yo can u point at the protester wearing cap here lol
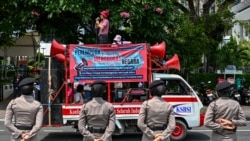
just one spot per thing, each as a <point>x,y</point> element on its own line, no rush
<point>27,113</point>
<point>102,24</point>
<point>156,118</point>
<point>224,115</point>
<point>97,115</point>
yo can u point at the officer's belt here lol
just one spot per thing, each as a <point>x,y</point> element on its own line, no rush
<point>24,127</point>
<point>96,130</point>
<point>229,130</point>
<point>157,128</point>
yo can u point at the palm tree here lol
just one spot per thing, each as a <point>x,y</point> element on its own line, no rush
<point>233,54</point>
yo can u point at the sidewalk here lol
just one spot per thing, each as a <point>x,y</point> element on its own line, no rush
<point>3,105</point>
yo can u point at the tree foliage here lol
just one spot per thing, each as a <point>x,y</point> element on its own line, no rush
<point>233,53</point>
<point>206,32</point>
<point>15,17</point>
<point>148,21</point>
<point>187,30</point>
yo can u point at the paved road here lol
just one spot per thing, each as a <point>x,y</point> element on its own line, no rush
<point>69,134</point>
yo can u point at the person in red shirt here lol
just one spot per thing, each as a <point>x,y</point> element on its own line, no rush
<point>70,93</point>
<point>102,24</point>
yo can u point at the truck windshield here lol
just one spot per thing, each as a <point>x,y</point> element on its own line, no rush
<point>176,87</point>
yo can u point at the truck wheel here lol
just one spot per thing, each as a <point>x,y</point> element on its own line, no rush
<point>180,131</point>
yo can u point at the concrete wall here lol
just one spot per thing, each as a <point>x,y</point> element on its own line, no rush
<point>7,91</point>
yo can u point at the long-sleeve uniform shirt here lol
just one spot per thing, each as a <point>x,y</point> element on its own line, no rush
<point>156,112</point>
<point>97,114</point>
<point>224,108</point>
<point>27,112</point>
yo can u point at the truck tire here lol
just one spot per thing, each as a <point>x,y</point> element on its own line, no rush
<point>180,131</point>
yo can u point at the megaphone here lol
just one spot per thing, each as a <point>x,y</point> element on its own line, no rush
<point>159,49</point>
<point>60,57</point>
<point>56,48</point>
<point>173,63</point>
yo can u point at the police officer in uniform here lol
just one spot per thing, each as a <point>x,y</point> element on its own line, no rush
<point>224,115</point>
<point>156,118</point>
<point>26,112</point>
<point>97,117</point>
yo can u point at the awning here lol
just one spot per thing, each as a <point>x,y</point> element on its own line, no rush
<point>26,45</point>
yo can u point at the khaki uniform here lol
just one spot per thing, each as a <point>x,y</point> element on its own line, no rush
<point>27,113</point>
<point>159,112</point>
<point>97,120</point>
<point>224,108</point>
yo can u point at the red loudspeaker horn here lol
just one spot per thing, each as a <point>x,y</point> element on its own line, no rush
<point>56,48</point>
<point>159,49</point>
<point>60,57</point>
<point>173,63</point>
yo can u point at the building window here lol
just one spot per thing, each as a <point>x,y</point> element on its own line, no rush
<point>184,3</point>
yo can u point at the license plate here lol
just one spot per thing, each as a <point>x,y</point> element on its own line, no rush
<point>237,95</point>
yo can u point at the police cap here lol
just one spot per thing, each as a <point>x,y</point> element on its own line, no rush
<point>26,81</point>
<point>156,83</point>
<point>223,85</point>
<point>98,82</point>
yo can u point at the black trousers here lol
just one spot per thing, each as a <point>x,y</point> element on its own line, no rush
<point>103,39</point>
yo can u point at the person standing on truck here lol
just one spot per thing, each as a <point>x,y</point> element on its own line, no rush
<point>97,115</point>
<point>70,93</point>
<point>224,115</point>
<point>27,114</point>
<point>102,24</point>
<point>78,96</point>
<point>156,118</point>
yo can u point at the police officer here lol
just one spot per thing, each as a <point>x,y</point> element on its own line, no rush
<point>26,112</point>
<point>97,115</point>
<point>224,115</point>
<point>156,118</point>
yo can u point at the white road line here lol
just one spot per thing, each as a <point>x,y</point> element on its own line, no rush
<point>242,130</point>
<point>2,130</point>
<point>53,130</point>
<point>1,119</point>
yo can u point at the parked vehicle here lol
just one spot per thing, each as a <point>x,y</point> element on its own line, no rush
<point>236,95</point>
<point>246,96</point>
<point>130,64</point>
<point>206,94</point>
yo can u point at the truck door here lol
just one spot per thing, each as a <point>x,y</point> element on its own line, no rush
<point>180,94</point>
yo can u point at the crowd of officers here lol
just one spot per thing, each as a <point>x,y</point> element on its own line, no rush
<point>156,120</point>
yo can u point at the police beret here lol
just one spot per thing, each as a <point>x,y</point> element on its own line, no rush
<point>98,82</point>
<point>223,85</point>
<point>26,81</point>
<point>156,83</point>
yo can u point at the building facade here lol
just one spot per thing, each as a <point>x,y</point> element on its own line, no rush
<point>242,13</point>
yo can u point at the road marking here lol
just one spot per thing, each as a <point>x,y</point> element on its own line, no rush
<point>1,119</point>
<point>53,130</point>
<point>2,130</point>
<point>242,130</point>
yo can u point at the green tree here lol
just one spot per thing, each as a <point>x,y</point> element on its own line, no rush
<point>212,27</point>
<point>245,46</point>
<point>183,28</point>
<point>149,21</point>
<point>15,17</point>
<point>233,54</point>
